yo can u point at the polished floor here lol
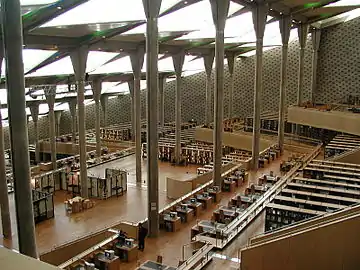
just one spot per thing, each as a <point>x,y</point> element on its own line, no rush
<point>64,228</point>
<point>170,245</point>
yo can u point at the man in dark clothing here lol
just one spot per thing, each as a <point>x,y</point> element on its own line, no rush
<point>141,236</point>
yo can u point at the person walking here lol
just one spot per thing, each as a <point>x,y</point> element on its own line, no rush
<point>142,233</point>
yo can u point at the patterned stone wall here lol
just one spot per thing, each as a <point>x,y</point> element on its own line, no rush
<point>339,62</point>
<point>338,75</point>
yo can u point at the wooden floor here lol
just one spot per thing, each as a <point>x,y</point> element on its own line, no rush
<point>64,228</point>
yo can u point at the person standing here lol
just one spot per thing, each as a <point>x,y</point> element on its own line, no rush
<point>142,233</point>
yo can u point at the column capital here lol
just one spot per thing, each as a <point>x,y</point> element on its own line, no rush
<point>315,39</point>
<point>209,61</point>
<point>72,106</point>
<point>178,61</point>
<point>259,15</point>
<point>137,61</point>
<point>34,110</point>
<point>131,85</point>
<point>220,10</point>
<point>303,31</point>
<point>50,93</point>
<point>152,8</point>
<point>285,27</point>
<point>79,60</point>
<point>96,89</point>
<point>230,56</point>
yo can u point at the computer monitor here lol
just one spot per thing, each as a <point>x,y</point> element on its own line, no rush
<point>193,200</point>
<point>129,242</point>
<point>205,194</point>
<point>215,188</point>
<point>173,214</point>
<point>184,206</point>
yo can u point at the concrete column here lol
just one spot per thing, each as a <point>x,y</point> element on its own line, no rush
<point>4,198</point>
<point>161,101</point>
<point>259,19</point>
<point>178,61</point>
<point>152,9</point>
<point>50,98</point>
<point>131,89</point>
<point>104,106</point>
<point>208,62</point>
<point>96,88</point>
<point>34,110</point>
<point>220,9</point>
<point>79,59</point>
<point>230,56</point>
<point>137,62</point>
<point>72,108</point>
<point>302,32</point>
<point>12,38</point>
<point>57,122</point>
<point>315,38</point>
<point>285,27</point>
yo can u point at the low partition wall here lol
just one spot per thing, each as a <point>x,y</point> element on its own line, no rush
<point>64,148</point>
<point>65,252</point>
<point>333,245</point>
<point>238,140</point>
<point>333,120</point>
<point>178,188</point>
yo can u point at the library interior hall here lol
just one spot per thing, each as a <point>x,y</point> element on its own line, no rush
<point>179,134</point>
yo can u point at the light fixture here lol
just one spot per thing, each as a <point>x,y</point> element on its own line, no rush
<point>59,7</point>
<point>185,3</point>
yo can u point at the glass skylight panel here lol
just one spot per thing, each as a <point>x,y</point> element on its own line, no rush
<point>110,87</point>
<point>100,11</point>
<point>30,58</point>
<point>43,108</point>
<point>166,4</point>
<point>193,65</point>
<point>344,3</point>
<point>64,106</point>
<point>3,96</point>
<point>121,65</point>
<point>64,66</point>
<point>36,2</point>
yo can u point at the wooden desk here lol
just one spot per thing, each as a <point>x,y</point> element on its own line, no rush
<point>185,215</point>
<point>195,206</point>
<point>229,186</point>
<point>106,264</point>
<point>172,224</point>
<point>127,254</point>
<point>216,195</point>
<point>150,265</point>
<point>206,201</point>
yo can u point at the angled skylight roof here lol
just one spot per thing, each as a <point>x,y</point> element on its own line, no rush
<point>200,14</point>
<point>100,11</point>
<point>36,2</point>
<point>64,66</point>
<point>31,58</point>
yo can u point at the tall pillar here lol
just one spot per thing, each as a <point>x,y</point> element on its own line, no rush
<point>259,19</point>
<point>208,62</point>
<point>104,106</point>
<point>79,59</point>
<point>230,56</point>
<point>131,85</point>
<point>220,9</point>
<point>152,9</point>
<point>4,198</point>
<point>161,120</point>
<point>12,37</point>
<point>57,122</point>
<point>50,98</point>
<point>137,61</point>
<point>315,38</point>
<point>34,110</point>
<point>178,61</point>
<point>96,88</point>
<point>302,32</point>
<point>72,108</point>
<point>285,27</point>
